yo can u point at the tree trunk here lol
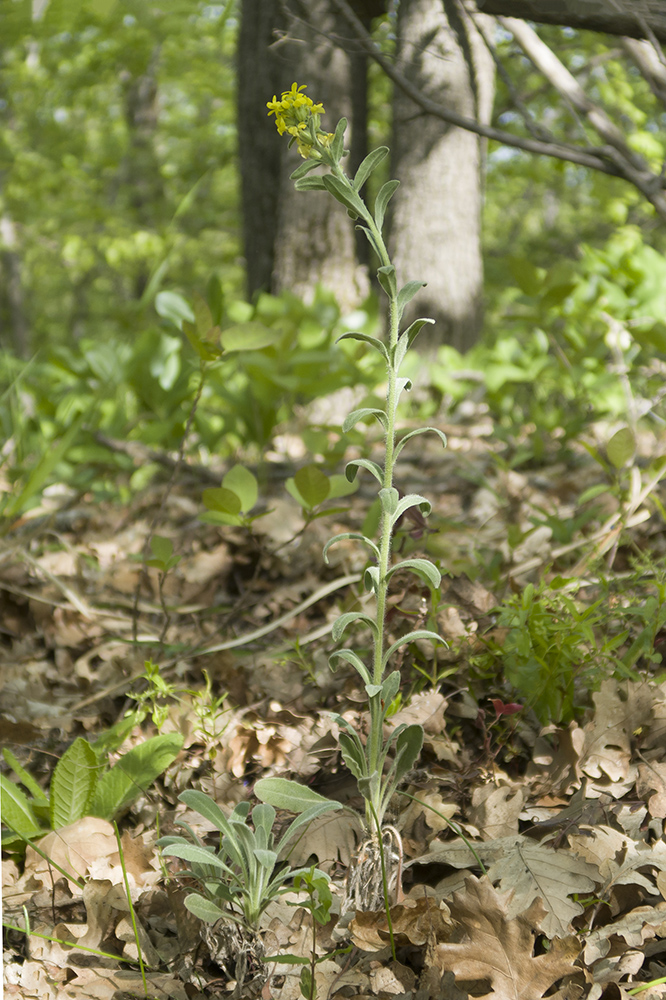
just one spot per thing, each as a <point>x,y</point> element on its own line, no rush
<point>316,242</point>
<point>436,224</point>
<point>260,75</point>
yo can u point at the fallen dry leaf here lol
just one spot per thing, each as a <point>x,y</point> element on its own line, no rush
<point>499,949</point>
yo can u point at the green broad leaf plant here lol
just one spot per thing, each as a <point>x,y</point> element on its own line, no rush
<point>378,764</point>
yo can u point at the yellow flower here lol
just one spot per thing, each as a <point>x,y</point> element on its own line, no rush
<point>293,114</point>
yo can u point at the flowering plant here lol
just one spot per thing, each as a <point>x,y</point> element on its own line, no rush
<point>370,762</point>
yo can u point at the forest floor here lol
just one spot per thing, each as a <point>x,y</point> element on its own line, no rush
<point>567,820</point>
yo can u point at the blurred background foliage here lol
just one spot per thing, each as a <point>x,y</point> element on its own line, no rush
<point>119,186</point>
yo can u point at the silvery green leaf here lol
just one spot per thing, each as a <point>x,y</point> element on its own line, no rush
<point>407,338</point>
<point>350,657</point>
<point>390,687</point>
<point>206,807</point>
<point>422,567</point>
<point>367,411</point>
<point>371,161</point>
<point>421,633</point>
<point>344,194</point>
<point>371,239</point>
<point>372,690</point>
<point>328,805</point>
<point>420,430</point>
<point>267,859</point>
<point>353,755</point>
<point>366,339</point>
<point>408,747</point>
<point>411,500</point>
<point>385,194</point>
<point>362,463</point>
<point>386,278</point>
<point>343,621</point>
<point>304,169</point>
<point>351,534</point>
<point>203,908</point>
<point>407,293</point>
<point>289,795</point>
<point>389,499</point>
<point>310,184</point>
<point>337,146</point>
<point>195,854</point>
<point>371,579</point>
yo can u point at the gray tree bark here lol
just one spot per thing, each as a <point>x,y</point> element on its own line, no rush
<point>315,239</point>
<point>436,223</point>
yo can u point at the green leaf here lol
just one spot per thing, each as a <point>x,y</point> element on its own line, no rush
<point>341,623</point>
<point>411,500</point>
<point>390,687</point>
<point>203,908</point>
<point>352,467</point>
<point>304,169</point>
<point>16,811</point>
<point>244,484</point>
<point>408,748</point>
<point>350,534</point>
<point>387,279</point>
<point>73,784</point>
<point>221,500</point>
<point>367,339</point>
<point>337,145</point>
<point>206,351</point>
<point>407,338</point>
<point>621,447</point>
<point>370,163</point>
<point>215,299</point>
<point>134,773</point>
<point>350,657</point>
<point>384,196</point>
<point>389,500</point>
<point>407,293</point>
<point>310,184</point>
<point>421,633</point>
<point>371,240</point>
<point>206,807</point>
<point>367,411</point>
<point>267,859</point>
<point>340,487</point>
<point>312,485</point>
<point>353,755</point>
<point>421,567</point>
<point>25,778</point>
<point>284,794</point>
<point>172,306</point>
<point>162,548</point>
<point>344,194</point>
<point>195,854</point>
<point>250,336</point>
<point>420,430</point>
<point>371,579</point>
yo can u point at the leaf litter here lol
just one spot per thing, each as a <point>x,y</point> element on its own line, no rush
<point>534,856</point>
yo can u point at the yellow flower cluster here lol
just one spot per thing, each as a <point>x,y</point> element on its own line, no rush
<point>293,113</point>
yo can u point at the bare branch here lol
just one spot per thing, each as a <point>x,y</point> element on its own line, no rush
<point>651,64</point>
<point>626,18</point>
<point>605,159</point>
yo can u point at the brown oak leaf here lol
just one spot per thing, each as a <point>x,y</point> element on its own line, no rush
<point>498,949</point>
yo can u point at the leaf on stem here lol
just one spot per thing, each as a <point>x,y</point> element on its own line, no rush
<point>385,194</point>
<point>389,499</point>
<point>371,579</point>
<point>349,656</point>
<point>353,755</point>
<point>421,567</point>
<point>387,279</point>
<point>407,293</point>
<point>351,468</point>
<point>304,169</point>
<point>310,184</point>
<point>372,240</point>
<point>204,908</point>
<point>370,163</point>
<point>407,749</point>
<point>73,784</point>
<point>407,338</point>
<point>343,621</point>
<point>420,430</point>
<point>411,637</point>
<point>374,342</point>
<point>351,534</point>
<point>290,795</point>
<point>367,411</point>
<point>411,500</point>
<point>337,146</point>
<point>344,194</point>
